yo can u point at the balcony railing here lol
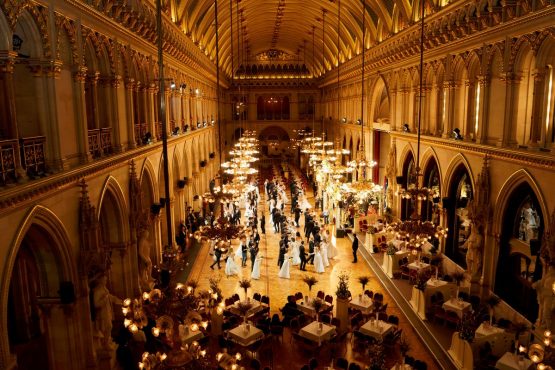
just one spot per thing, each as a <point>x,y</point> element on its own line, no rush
<point>7,161</point>
<point>140,132</point>
<point>158,126</point>
<point>32,155</point>
<point>100,141</point>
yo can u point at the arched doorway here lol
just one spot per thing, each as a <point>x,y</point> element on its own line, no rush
<point>460,192</point>
<point>37,290</point>
<point>408,180</point>
<point>431,180</point>
<point>518,265</point>
<point>274,141</point>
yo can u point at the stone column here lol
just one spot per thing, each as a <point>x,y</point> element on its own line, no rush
<point>512,85</point>
<point>393,109</point>
<point>484,82</point>
<point>536,131</point>
<point>130,113</point>
<point>403,107</point>
<point>150,111</point>
<point>449,104</point>
<point>432,111</point>
<point>93,78</point>
<point>79,77</point>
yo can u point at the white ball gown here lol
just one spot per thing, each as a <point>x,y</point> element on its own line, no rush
<point>324,253</point>
<point>284,272</point>
<point>331,249</point>
<point>255,274</point>
<point>318,262</point>
<point>295,254</point>
<point>231,267</point>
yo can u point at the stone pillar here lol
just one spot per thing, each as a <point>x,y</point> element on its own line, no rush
<point>393,109</point>
<point>403,107</point>
<point>150,110</point>
<point>536,130</point>
<point>93,79</point>
<point>80,105</point>
<point>512,85</point>
<point>118,113</point>
<point>484,82</point>
<point>449,104</point>
<point>432,110</point>
<point>130,113</point>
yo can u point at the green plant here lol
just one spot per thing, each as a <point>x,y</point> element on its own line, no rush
<point>492,301</point>
<point>342,291</point>
<point>421,282</point>
<point>364,280</point>
<point>467,327</point>
<point>317,304</point>
<point>214,282</point>
<point>310,281</point>
<point>458,277</point>
<point>404,345</point>
<point>388,215</point>
<point>390,249</point>
<point>244,308</point>
<point>245,284</point>
<point>193,284</point>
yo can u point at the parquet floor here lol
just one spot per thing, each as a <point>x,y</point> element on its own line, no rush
<point>284,355</point>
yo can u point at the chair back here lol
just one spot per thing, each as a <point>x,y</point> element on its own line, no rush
<point>257,297</point>
<point>320,294</point>
<point>265,300</point>
<point>329,299</point>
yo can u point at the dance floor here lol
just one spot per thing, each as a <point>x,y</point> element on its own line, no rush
<point>284,355</point>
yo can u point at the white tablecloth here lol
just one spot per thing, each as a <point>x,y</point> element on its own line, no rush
<point>377,329</point>
<point>190,336</point>
<point>313,333</point>
<point>460,307</point>
<point>418,266</point>
<point>510,361</point>
<point>485,329</point>
<point>365,305</point>
<point>256,306</point>
<point>244,337</point>
<point>308,308</point>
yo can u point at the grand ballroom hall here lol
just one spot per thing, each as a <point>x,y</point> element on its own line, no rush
<point>277,184</point>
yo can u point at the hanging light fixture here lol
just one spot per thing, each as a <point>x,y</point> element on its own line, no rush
<point>416,231</point>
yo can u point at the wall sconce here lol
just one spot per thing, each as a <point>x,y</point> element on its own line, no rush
<point>344,120</point>
<point>172,85</point>
<point>175,131</point>
<point>359,122</point>
<point>457,134</point>
<point>406,127</point>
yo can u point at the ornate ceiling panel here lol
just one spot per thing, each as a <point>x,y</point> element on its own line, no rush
<point>251,28</point>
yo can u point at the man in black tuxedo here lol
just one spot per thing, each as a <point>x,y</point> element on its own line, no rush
<point>302,255</point>
<point>253,251</point>
<point>308,227</point>
<point>311,251</point>
<point>355,248</point>
<point>282,251</point>
<point>297,212</point>
<point>218,254</point>
<point>263,223</point>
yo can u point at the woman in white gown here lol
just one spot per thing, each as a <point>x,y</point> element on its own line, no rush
<point>231,267</point>
<point>324,253</point>
<point>330,248</point>
<point>255,274</point>
<point>318,263</point>
<point>295,253</point>
<point>284,272</point>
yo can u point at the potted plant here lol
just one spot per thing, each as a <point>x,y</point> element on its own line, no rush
<point>421,282</point>
<point>245,284</point>
<point>404,346</point>
<point>458,277</point>
<point>244,308</point>
<point>342,291</point>
<point>317,304</point>
<point>310,281</point>
<point>363,280</point>
<point>214,282</point>
<point>192,285</point>
<point>491,302</point>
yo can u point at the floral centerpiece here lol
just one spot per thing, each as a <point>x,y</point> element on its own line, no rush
<point>317,304</point>
<point>310,281</point>
<point>245,284</point>
<point>390,251</point>
<point>244,308</point>
<point>491,302</point>
<point>458,277</point>
<point>342,291</point>
<point>363,280</point>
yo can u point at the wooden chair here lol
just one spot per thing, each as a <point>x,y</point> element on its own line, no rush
<point>257,297</point>
<point>452,318</point>
<point>369,293</point>
<point>321,295</point>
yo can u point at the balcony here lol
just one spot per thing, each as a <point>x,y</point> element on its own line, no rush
<point>32,155</point>
<point>8,160</point>
<point>140,131</point>
<point>100,142</point>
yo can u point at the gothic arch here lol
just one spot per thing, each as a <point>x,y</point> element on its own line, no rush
<point>429,155</point>
<point>407,151</point>
<point>451,169</point>
<point>112,187</point>
<point>148,174</point>
<point>58,252</point>
<point>515,180</point>
<point>5,33</point>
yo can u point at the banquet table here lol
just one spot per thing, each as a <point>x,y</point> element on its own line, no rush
<point>485,330</point>
<point>401,367</point>
<point>434,286</point>
<point>189,336</point>
<point>362,303</point>
<point>256,306</point>
<point>376,329</point>
<point>307,307</point>
<point>391,261</point>
<point>510,361</point>
<point>245,336</point>
<point>313,332</point>
<point>458,306</point>
<point>418,266</point>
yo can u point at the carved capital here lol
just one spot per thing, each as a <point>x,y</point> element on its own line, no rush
<point>7,61</point>
<point>80,74</point>
<point>511,77</point>
<point>93,77</point>
<point>35,69</point>
<point>53,68</point>
<point>130,84</point>
<point>115,81</point>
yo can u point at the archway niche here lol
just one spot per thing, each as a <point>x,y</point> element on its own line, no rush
<point>147,194</point>
<point>34,304</point>
<point>113,238</point>
<point>518,265</point>
<point>408,180</point>
<point>431,180</point>
<point>459,193</point>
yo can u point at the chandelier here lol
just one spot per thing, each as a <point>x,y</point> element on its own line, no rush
<point>416,232</point>
<point>222,230</point>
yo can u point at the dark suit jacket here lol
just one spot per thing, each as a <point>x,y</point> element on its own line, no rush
<point>302,253</point>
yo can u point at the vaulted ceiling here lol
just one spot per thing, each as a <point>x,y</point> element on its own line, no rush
<point>290,28</point>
